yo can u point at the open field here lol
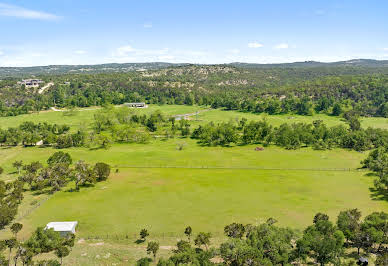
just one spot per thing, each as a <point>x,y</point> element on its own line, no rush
<point>164,189</point>
<point>217,184</point>
<point>167,200</point>
<point>160,153</point>
<point>85,117</point>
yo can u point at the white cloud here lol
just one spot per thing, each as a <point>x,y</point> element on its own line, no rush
<point>124,50</point>
<point>1,53</point>
<point>36,54</point>
<point>233,51</point>
<point>147,25</point>
<point>80,52</point>
<point>255,45</point>
<point>128,54</point>
<point>385,49</point>
<point>281,46</point>
<point>20,12</point>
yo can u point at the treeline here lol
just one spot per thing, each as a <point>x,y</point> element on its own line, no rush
<point>323,242</point>
<point>32,134</point>
<point>293,136</point>
<point>273,91</point>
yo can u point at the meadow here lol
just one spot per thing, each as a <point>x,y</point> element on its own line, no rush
<point>84,116</point>
<point>164,189</point>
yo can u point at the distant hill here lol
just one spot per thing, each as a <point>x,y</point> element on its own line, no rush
<point>307,64</point>
<point>74,69</point>
<point>126,67</point>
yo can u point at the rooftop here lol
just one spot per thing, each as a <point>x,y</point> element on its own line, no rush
<point>62,226</point>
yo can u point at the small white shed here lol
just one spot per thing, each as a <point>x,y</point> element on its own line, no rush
<point>64,228</point>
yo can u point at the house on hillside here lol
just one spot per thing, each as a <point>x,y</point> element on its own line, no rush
<point>64,228</point>
<point>31,82</point>
<point>136,105</point>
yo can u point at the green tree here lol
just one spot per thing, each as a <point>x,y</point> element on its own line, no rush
<point>153,248</point>
<point>188,232</point>
<point>83,174</point>
<point>61,252</point>
<point>203,239</point>
<point>18,165</point>
<point>15,228</point>
<point>321,241</point>
<point>143,234</point>
<point>234,230</point>
<point>102,171</point>
<point>144,262</point>
<point>60,157</point>
<point>11,243</point>
<point>337,109</point>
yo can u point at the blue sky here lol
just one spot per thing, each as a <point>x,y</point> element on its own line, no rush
<point>43,32</point>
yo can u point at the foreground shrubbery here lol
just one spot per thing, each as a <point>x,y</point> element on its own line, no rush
<point>323,242</point>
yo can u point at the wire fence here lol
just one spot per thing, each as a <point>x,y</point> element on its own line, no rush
<point>242,168</point>
<point>135,236</point>
<point>30,210</point>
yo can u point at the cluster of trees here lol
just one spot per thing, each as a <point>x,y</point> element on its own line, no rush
<point>109,125</point>
<point>11,195</point>
<point>29,134</point>
<point>323,242</point>
<point>273,90</point>
<point>40,242</point>
<point>54,176</point>
<point>377,161</point>
<point>59,172</point>
<point>293,136</point>
<point>125,126</point>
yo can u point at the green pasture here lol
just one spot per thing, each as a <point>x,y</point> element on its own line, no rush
<point>84,117</point>
<point>160,153</point>
<point>164,189</point>
<point>167,200</point>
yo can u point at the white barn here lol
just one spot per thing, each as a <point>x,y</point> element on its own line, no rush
<point>64,228</point>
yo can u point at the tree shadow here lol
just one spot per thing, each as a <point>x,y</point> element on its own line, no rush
<point>139,241</point>
<point>42,192</point>
<point>378,194</point>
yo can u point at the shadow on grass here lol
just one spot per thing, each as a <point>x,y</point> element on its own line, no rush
<point>378,194</point>
<point>139,241</point>
<point>79,188</point>
<point>46,191</point>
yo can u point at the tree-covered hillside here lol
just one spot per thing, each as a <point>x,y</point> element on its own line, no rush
<point>301,88</point>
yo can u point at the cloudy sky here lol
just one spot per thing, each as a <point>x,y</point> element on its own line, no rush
<point>46,32</point>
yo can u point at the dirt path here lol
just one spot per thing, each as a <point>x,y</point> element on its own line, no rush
<point>48,85</point>
<point>185,116</point>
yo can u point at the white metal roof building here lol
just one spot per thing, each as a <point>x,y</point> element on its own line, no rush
<point>63,228</point>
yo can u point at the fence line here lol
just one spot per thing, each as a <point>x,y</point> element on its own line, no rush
<point>136,236</point>
<point>29,211</point>
<point>242,168</point>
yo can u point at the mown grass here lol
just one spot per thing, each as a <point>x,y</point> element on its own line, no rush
<point>167,200</point>
<point>160,153</point>
<point>241,185</point>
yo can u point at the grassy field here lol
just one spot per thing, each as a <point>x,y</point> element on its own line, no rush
<point>164,189</point>
<point>167,200</point>
<point>85,117</point>
<point>217,184</point>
